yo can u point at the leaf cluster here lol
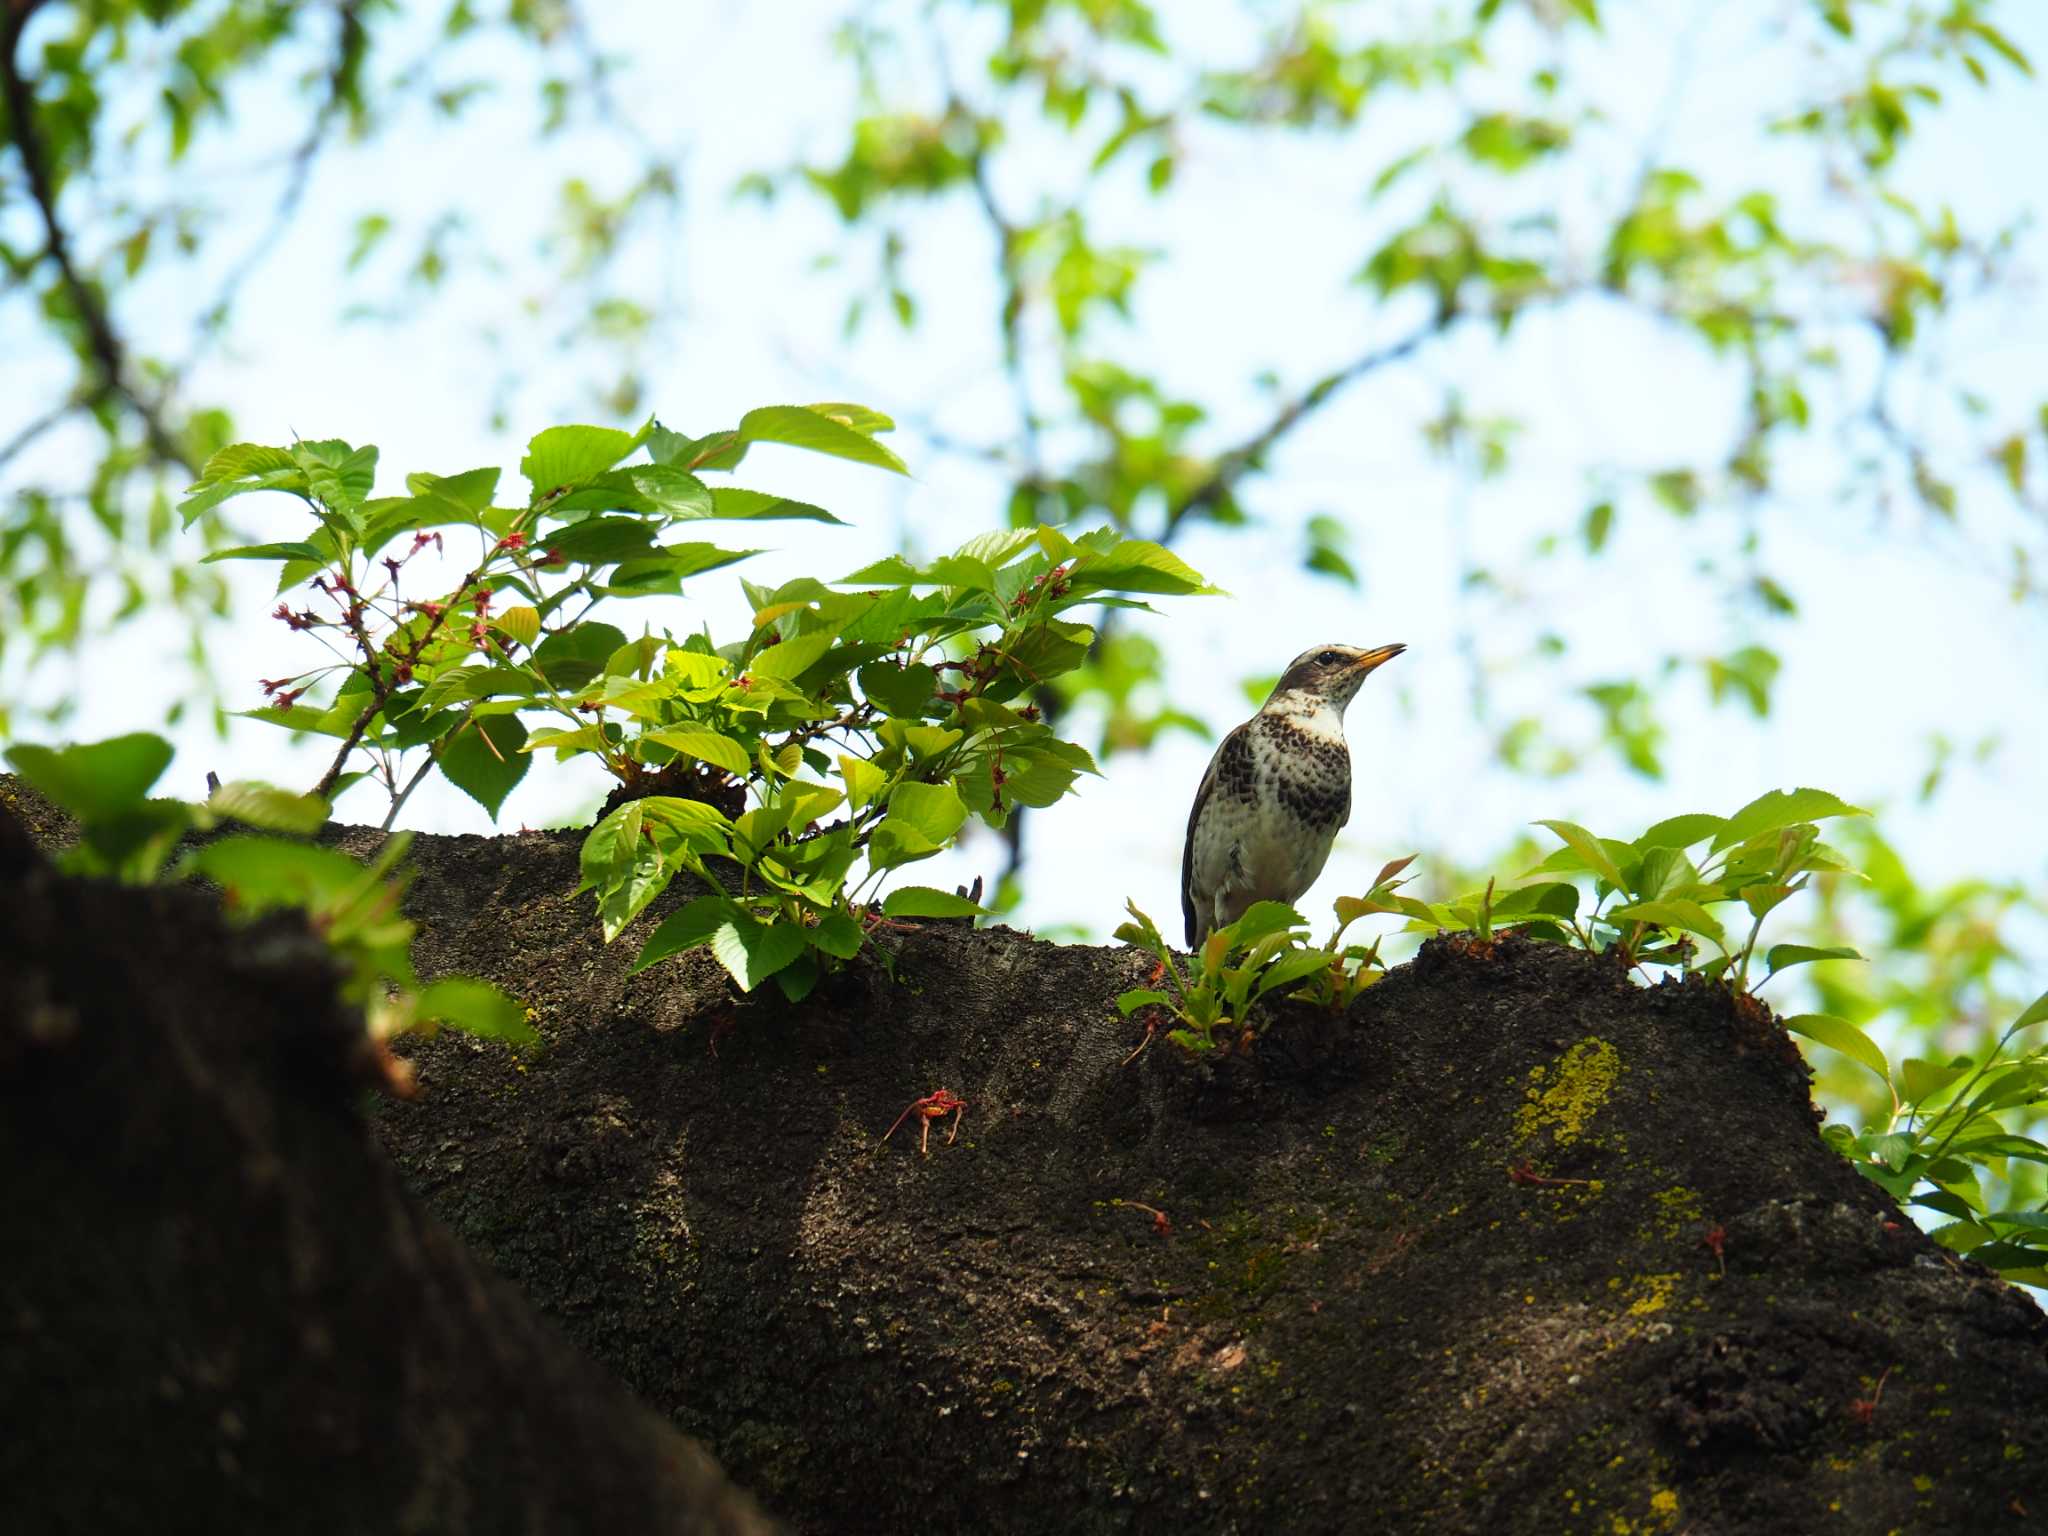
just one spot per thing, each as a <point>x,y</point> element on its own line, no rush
<point>354,908</point>
<point>857,727</point>
<point>1951,1121</point>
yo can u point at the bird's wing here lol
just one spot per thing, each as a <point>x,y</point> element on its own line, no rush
<point>1187,854</point>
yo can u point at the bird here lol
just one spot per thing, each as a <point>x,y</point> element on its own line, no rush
<point>1275,793</point>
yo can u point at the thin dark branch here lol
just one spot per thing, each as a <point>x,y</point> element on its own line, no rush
<point>349,48</point>
<point>108,354</point>
<point>34,430</point>
<point>1010,273</point>
<point>1009,240</point>
<point>1250,454</point>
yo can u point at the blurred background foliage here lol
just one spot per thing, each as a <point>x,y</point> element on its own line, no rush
<point>1481,168</point>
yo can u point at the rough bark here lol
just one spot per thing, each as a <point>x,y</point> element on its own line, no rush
<point>219,1308</point>
<point>1351,1316</point>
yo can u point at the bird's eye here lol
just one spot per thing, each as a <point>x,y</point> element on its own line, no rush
<point>1328,659</point>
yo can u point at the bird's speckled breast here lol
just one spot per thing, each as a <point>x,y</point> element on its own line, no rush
<point>1308,771</point>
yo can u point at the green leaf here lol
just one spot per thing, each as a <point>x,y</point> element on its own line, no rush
<point>732,503</point>
<point>926,901</point>
<point>521,621</point>
<point>790,659</point>
<point>1781,808</point>
<point>935,811</point>
<point>798,426</point>
<point>796,979</point>
<point>1292,967</point>
<point>1263,919</point>
<point>236,471</point>
<point>1841,1035</point>
<point>706,746</point>
<point>1137,565</point>
<point>483,759</point>
<point>1680,831</point>
<point>341,476</point>
<point>900,691</point>
<point>862,418</point>
<point>863,780</point>
<point>643,489</point>
<point>602,540</point>
<point>576,655</point>
<point>1921,1080</point>
<point>686,928</point>
<point>274,810</point>
<point>98,780</point>
<point>753,951</point>
<point>464,496</point>
<point>1590,849</point>
<point>1673,913</point>
<point>266,552</point>
<point>1784,956</point>
<point>837,934</point>
<point>238,461</point>
<point>562,457</point>
<point>476,1008</point>
<point>1130,1002</point>
<point>667,568</point>
<point>267,872</point>
<point>2035,1012</point>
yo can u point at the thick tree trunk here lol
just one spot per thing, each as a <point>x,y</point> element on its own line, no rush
<point>1516,1246</point>
<point>219,1310</point>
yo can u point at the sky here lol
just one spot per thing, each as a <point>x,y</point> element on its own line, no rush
<point>1903,634</point>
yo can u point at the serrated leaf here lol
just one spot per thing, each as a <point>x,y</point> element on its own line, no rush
<point>521,622</point>
<point>340,475</point>
<point>798,426</point>
<point>900,691</point>
<point>570,658</point>
<point>272,809</point>
<point>1781,808</point>
<point>268,872</point>
<point>1680,831</point>
<point>789,659</point>
<point>299,551</point>
<point>685,928</point>
<point>837,934</point>
<point>1673,913</point>
<point>483,759</point>
<point>97,780</point>
<point>2034,1013</point>
<point>1589,849</point>
<point>1261,920</point>
<point>927,901</point>
<point>1784,956</point>
<point>1840,1035</point>
<point>752,951</point>
<point>562,457</point>
<point>705,746</point>
<point>475,1008</point>
<point>1128,1003</point>
<point>1138,565</point>
<point>733,503</point>
<point>934,811</point>
<point>863,780</point>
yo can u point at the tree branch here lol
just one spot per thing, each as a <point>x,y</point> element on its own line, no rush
<point>103,345</point>
<point>351,43</point>
<point>1250,454</point>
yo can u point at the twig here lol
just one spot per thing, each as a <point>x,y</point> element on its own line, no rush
<point>105,347</point>
<point>350,48</point>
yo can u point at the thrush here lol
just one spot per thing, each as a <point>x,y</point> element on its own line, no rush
<point>1275,794</point>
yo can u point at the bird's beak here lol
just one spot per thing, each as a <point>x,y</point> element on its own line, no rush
<point>1368,660</point>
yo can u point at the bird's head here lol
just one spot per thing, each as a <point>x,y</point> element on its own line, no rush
<point>1326,677</point>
